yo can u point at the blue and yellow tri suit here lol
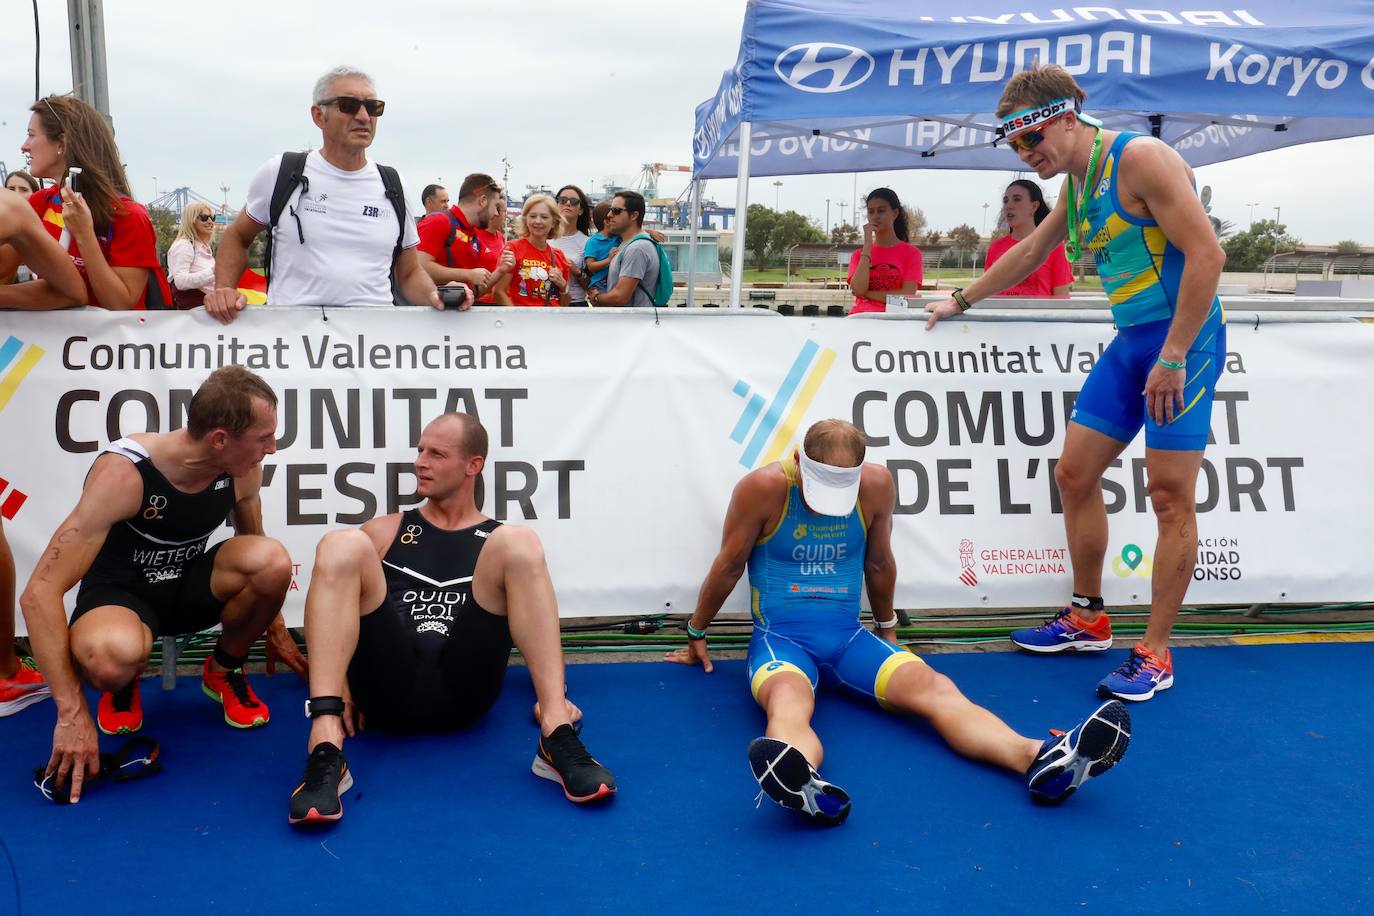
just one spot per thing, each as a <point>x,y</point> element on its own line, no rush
<point>1141,271</point>
<point>805,581</point>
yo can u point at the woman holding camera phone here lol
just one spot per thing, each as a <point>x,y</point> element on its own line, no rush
<point>90,213</point>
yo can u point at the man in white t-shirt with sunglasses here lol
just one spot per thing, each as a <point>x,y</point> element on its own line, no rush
<point>338,238</point>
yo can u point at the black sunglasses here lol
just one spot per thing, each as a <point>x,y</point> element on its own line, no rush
<point>349,105</point>
<point>206,217</point>
<point>569,201</point>
<point>615,211</point>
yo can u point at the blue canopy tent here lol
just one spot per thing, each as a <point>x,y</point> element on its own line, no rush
<point>864,85</point>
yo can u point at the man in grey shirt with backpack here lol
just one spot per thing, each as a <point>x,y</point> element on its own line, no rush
<point>636,270</point>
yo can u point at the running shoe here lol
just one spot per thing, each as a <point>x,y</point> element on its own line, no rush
<point>327,777</point>
<point>786,777</point>
<point>1140,676</point>
<point>1066,632</point>
<point>120,711</point>
<point>1067,760</point>
<point>563,759</point>
<point>25,688</point>
<point>242,708</point>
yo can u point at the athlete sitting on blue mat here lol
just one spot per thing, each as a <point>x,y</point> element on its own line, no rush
<point>409,623</point>
<point>811,531</point>
<point>1159,262</point>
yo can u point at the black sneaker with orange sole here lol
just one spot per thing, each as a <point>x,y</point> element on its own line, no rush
<point>317,800</point>
<point>563,759</point>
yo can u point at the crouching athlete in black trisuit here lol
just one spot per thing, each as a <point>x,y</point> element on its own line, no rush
<point>409,623</point>
<point>136,542</point>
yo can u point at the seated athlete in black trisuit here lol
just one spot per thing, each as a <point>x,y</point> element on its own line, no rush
<point>136,542</point>
<point>409,623</point>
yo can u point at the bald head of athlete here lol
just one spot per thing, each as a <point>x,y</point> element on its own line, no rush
<point>450,456</point>
<point>233,419</point>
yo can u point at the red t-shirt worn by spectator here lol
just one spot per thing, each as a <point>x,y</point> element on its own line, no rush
<point>472,248</point>
<point>890,267</point>
<point>130,241</point>
<point>1042,281</point>
<point>529,283</point>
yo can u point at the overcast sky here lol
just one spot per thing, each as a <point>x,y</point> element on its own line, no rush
<point>203,93</point>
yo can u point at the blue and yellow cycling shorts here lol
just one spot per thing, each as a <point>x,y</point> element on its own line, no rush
<point>852,657</point>
<point>1111,401</point>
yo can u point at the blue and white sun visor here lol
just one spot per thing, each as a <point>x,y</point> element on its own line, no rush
<point>1018,122</point>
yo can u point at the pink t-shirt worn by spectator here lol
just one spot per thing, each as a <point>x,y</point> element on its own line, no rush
<point>1042,281</point>
<point>889,269</point>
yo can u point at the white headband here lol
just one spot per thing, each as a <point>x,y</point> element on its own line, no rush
<point>829,490</point>
<point>1027,118</point>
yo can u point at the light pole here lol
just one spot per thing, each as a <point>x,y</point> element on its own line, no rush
<point>225,189</point>
<point>777,193</point>
<point>985,219</point>
<point>841,206</point>
<point>1277,217</point>
<point>827,216</point>
<point>1252,211</point>
<point>155,194</point>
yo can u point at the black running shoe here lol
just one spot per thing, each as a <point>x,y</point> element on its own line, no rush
<point>786,777</point>
<point>316,800</point>
<point>564,759</point>
<point>1069,759</point>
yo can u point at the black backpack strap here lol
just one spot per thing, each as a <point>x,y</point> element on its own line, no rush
<point>391,182</point>
<point>452,234</point>
<point>290,175</point>
<point>396,195</point>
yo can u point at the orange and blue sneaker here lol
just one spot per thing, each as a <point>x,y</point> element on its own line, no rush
<point>24,688</point>
<point>1066,632</point>
<point>1069,759</point>
<point>242,708</point>
<point>120,711</point>
<point>1140,676</point>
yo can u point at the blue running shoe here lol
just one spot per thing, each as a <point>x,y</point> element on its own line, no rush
<point>1140,676</point>
<point>1068,760</point>
<point>786,777</point>
<point>1066,632</point>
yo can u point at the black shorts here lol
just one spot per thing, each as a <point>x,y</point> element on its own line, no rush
<point>184,606</point>
<point>398,686</point>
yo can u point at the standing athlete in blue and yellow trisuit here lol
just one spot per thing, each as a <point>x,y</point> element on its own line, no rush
<point>1131,201</point>
<point>812,530</point>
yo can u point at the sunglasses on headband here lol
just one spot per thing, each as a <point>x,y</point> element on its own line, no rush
<point>349,105</point>
<point>1030,139</point>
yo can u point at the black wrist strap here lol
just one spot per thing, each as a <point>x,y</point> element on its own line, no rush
<point>324,706</point>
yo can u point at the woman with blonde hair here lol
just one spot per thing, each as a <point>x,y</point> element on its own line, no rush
<point>190,262</point>
<point>89,211</point>
<point>541,270</point>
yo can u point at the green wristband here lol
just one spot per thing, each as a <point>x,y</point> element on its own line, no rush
<point>1170,364</point>
<point>693,633</point>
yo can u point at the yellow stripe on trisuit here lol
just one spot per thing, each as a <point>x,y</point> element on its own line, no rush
<point>775,667</point>
<point>889,668</point>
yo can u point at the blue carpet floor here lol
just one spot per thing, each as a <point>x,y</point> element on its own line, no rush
<point>1248,787</point>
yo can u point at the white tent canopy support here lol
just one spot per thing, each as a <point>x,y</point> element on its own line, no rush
<point>741,213</point>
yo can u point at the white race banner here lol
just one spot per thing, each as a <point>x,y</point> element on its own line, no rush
<point>618,437</point>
